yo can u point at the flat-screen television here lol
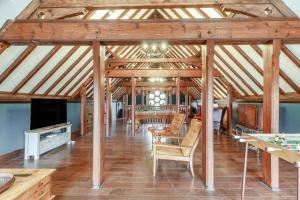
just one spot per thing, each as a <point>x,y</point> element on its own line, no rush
<point>47,112</point>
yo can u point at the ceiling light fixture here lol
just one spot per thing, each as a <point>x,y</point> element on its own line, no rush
<point>41,15</point>
<point>268,11</point>
<point>153,79</point>
<point>155,49</point>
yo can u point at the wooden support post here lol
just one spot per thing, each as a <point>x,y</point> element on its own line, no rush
<point>271,56</point>
<point>170,96</point>
<point>126,106</point>
<point>207,116</point>
<point>186,99</point>
<point>147,97</point>
<point>178,94</point>
<point>99,127</point>
<point>108,103</point>
<point>133,102</point>
<point>229,109</point>
<point>143,96</point>
<point>190,105</point>
<point>123,107</point>
<point>83,108</point>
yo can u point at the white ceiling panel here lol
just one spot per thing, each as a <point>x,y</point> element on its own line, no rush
<point>237,80</point>
<point>80,83</point>
<point>194,13</point>
<point>239,71</point>
<point>25,67</point>
<point>99,14</point>
<point>9,56</point>
<point>253,55</point>
<point>284,86</point>
<point>46,69</point>
<point>295,49</point>
<point>72,72</point>
<point>211,12</point>
<point>290,69</point>
<point>62,69</point>
<point>246,64</point>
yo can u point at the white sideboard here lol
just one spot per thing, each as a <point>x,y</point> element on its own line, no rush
<point>39,141</point>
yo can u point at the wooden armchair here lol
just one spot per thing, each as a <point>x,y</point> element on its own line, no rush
<point>182,152</point>
<point>173,130</point>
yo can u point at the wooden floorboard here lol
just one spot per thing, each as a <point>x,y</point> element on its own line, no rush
<point>128,171</point>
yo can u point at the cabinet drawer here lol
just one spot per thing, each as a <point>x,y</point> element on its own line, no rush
<point>38,191</point>
<point>48,144</point>
<point>42,192</point>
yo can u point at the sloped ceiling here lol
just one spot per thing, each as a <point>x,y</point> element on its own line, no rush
<point>62,70</point>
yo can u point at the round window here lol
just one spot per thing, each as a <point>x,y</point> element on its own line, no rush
<point>157,93</point>
<point>151,102</point>
<point>162,102</point>
<point>151,96</point>
<point>157,99</point>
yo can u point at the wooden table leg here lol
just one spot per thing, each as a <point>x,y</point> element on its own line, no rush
<point>245,172</point>
<point>298,183</point>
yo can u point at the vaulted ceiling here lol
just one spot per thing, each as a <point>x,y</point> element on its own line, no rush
<point>60,71</point>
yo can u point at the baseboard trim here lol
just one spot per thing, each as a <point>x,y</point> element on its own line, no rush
<point>9,156</point>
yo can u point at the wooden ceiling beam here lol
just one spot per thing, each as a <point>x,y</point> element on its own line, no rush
<point>283,8</point>
<point>252,10</point>
<point>75,14</point>
<point>190,61</point>
<point>254,30</point>
<point>3,47</point>
<point>16,63</point>
<point>158,84</point>
<point>135,4</point>
<point>29,10</point>
<point>288,97</point>
<point>128,73</point>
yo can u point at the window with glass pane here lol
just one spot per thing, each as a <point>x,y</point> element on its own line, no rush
<point>157,98</point>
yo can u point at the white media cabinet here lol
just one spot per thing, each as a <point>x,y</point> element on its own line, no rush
<point>39,141</point>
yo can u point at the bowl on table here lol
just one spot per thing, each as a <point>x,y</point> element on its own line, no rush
<point>6,180</point>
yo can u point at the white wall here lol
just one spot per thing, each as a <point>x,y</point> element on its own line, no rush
<point>294,5</point>
<point>10,9</point>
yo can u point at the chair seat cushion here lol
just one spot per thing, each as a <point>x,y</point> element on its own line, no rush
<point>169,151</point>
<point>161,133</point>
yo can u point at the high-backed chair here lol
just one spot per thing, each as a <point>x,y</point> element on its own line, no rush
<point>182,152</point>
<point>172,130</point>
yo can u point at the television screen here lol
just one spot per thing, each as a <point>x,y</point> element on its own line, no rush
<point>47,112</point>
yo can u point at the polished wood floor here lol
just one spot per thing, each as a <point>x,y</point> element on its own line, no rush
<point>128,171</point>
